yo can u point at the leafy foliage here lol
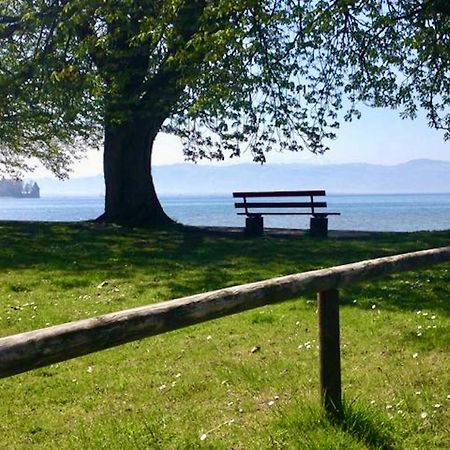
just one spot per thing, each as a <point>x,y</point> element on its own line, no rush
<point>226,76</point>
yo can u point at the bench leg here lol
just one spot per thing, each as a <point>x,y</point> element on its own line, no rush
<point>254,226</point>
<point>318,227</point>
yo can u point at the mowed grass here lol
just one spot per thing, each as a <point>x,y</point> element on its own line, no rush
<point>202,386</point>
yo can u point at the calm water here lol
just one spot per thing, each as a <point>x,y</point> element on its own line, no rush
<point>405,212</point>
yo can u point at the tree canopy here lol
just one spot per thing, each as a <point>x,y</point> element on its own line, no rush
<point>224,75</point>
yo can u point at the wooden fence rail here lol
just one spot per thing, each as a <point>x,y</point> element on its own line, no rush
<point>26,351</point>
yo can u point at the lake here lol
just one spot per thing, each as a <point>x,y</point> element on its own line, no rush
<point>387,212</point>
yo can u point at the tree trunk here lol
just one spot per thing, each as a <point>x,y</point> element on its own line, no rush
<point>130,197</point>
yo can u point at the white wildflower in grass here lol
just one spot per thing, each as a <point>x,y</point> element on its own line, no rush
<point>178,375</point>
<point>418,392</point>
<point>415,355</point>
<point>276,397</point>
<point>306,345</point>
<point>433,317</point>
<point>437,405</point>
<point>423,415</point>
<point>419,312</point>
<point>374,306</point>
<point>162,387</point>
<point>205,435</point>
<point>388,406</point>
<point>208,338</point>
<point>372,402</point>
<point>419,333</point>
<point>448,397</point>
<point>230,403</point>
<point>89,369</point>
<point>271,403</point>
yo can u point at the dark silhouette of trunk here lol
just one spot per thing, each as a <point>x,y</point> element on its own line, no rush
<point>135,109</point>
<point>130,197</point>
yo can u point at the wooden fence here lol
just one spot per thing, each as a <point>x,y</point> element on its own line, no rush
<point>26,351</point>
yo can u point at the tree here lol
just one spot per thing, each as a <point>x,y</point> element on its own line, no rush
<point>226,76</point>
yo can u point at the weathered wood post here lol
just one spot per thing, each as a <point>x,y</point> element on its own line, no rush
<point>330,358</point>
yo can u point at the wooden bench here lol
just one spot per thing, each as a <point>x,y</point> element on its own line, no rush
<point>255,210</point>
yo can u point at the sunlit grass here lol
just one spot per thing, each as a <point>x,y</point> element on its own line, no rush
<point>206,386</point>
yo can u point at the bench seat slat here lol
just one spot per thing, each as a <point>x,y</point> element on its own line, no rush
<point>281,205</point>
<point>317,193</point>
<point>269,213</point>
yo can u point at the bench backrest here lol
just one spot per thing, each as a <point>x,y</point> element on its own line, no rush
<point>311,204</point>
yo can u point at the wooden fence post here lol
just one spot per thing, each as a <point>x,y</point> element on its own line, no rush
<point>330,360</point>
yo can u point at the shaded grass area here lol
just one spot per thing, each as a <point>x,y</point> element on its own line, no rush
<point>307,427</point>
<point>203,387</point>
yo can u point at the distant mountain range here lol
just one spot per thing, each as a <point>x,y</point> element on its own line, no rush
<point>418,176</point>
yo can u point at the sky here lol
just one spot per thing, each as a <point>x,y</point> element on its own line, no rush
<point>379,137</point>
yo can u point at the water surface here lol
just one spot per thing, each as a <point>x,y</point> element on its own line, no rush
<point>393,212</point>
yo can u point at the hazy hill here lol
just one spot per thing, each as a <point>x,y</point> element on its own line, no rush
<point>419,176</point>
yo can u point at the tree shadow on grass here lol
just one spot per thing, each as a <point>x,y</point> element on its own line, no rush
<point>210,260</point>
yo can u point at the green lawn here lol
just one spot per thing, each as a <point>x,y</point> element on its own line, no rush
<point>202,387</point>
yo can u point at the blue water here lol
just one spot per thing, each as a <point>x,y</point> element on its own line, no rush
<point>402,212</point>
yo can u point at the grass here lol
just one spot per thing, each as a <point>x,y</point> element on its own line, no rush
<point>202,387</point>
